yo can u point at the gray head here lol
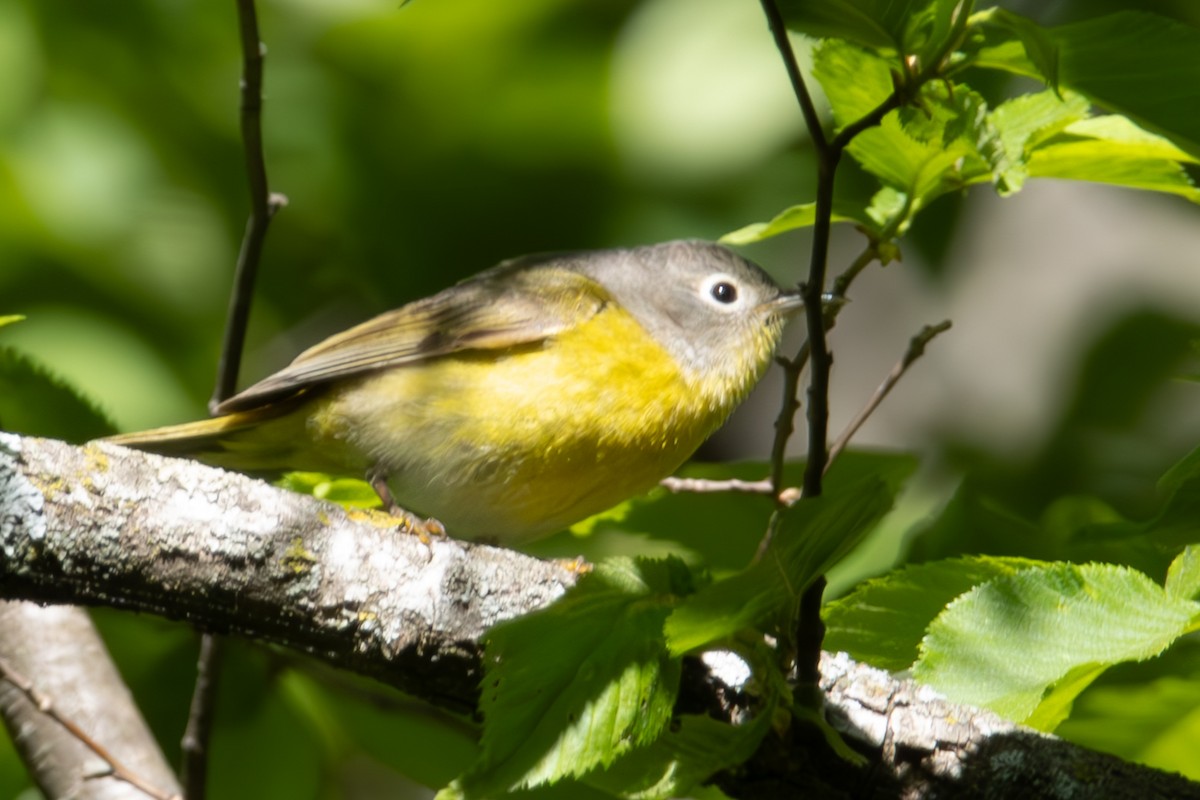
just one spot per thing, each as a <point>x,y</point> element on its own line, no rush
<point>718,314</point>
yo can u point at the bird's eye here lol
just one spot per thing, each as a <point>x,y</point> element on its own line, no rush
<point>723,292</point>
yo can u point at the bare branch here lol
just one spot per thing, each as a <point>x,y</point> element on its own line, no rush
<point>104,524</point>
<point>678,485</point>
<point>916,349</point>
<point>803,97</point>
<point>263,205</point>
<point>193,772</point>
<point>79,699</point>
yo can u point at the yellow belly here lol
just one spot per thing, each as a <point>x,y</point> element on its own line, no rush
<point>515,444</point>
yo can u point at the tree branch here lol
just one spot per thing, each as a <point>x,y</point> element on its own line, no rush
<point>263,205</point>
<point>76,728</point>
<point>105,525</point>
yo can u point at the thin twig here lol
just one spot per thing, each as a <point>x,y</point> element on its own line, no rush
<point>841,285</point>
<point>678,485</point>
<point>263,205</point>
<point>807,107</point>
<point>196,736</point>
<point>916,349</point>
<point>44,705</point>
<point>809,629</point>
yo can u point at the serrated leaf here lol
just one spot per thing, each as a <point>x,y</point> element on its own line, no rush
<point>35,402</point>
<point>1141,65</point>
<point>854,80</point>
<point>883,621</point>
<point>1138,64</point>
<point>1057,703</point>
<point>1079,153</point>
<point>571,688</point>
<point>1024,122</point>
<point>1183,576</point>
<point>799,216</point>
<point>1024,46</point>
<point>684,757</point>
<point>861,21</point>
<point>918,27</point>
<point>946,141</point>
<point>1005,644</point>
<point>813,535</point>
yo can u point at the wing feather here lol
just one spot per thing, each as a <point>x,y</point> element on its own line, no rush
<point>505,307</point>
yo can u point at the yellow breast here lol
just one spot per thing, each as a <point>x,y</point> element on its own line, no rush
<point>517,443</point>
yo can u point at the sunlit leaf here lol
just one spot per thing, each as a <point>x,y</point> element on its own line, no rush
<point>801,216</point>
<point>1023,123</point>
<point>1183,576</point>
<point>855,81</point>
<point>570,688</point>
<point>883,620</point>
<point>813,535</point>
<point>1004,644</point>
<point>1138,64</point>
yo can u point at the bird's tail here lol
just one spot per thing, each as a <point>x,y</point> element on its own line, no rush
<point>262,440</point>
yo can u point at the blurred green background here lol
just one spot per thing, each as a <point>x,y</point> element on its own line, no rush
<point>420,143</point>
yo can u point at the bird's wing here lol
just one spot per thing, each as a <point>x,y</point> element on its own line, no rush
<point>499,309</point>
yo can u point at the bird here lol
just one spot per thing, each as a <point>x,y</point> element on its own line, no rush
<point>520,401</point>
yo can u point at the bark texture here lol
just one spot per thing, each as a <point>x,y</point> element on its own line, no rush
<point>101,524</point>
<point>60,652</point>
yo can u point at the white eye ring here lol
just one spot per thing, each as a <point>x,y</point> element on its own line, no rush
<point>722,291</point>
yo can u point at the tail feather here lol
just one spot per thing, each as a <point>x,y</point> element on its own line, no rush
<point>264,440</point>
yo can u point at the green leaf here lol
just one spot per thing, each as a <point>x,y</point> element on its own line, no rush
<point>1183,576</point>
<point>1183,471</point>
<point>35,402</point>
<point>813,535</point>
<point>1141,65</point>
<point>348,492</point>
<point>573,687</point>
<point>855,81</point>
<point>917,27</point>
<point>1060,699</point>
<point>883,620</point>
<point>1006,643</point>
<point>800,216</point>
<point>865,22</point>
<point>693,749</point>
<point>1152,719</point>
<point>1113,150</point>
<point>719,530</point>
<point>1025,47</point>
<point>945,142</point>
<point>9,319</point>
<point>1023,123</point>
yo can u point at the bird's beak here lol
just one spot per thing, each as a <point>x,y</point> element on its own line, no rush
<point>787,304</point>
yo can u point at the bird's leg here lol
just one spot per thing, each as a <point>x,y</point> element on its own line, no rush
<point>423,528</point>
